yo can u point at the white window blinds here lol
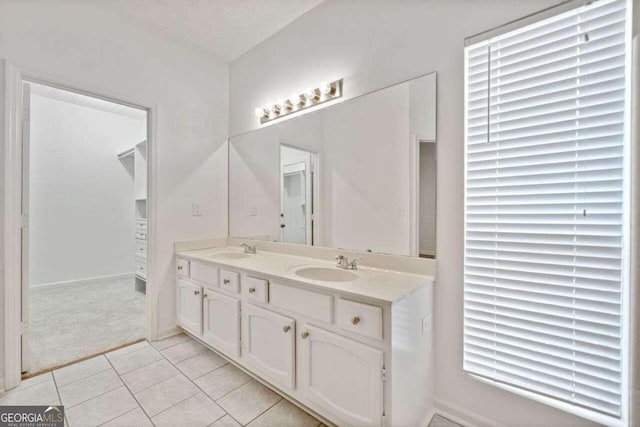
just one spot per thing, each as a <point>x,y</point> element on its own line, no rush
<point>545,202</point>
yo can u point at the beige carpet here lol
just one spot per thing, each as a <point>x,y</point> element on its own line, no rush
<point>73,321</point>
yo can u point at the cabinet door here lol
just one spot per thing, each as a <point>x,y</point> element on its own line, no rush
<point>269,344</point>
<point>342,376</point>
<point>189,306</point>
<point>222,322</point>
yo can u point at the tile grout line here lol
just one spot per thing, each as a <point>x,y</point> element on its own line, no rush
<point>108,421</point>
<point>207,394</point>
<point>86,378</point>
<point>231,391</point>
<point>265,411</point>
<point>55,384</point>
<point>132,395</point>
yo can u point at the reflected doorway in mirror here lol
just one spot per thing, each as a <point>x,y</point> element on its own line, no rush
<point>297,195</point>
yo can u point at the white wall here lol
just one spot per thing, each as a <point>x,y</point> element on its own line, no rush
<point>372,44</point>
<point>79,44</point>
<point>81,196</point>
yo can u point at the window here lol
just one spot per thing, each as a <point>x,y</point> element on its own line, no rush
<point>546,200</point>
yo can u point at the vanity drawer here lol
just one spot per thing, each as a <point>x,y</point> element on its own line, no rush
<point>360,318</point>
<point>230,280</point>
<point>182,267</point>
<point>141,225</point>
<point>255,289</point>
<point>141,267</point>
<point>311,304</point>
<point>204,273</point>
<point>141,248</point>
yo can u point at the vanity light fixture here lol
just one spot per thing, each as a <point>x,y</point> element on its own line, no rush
<point>297,102</point>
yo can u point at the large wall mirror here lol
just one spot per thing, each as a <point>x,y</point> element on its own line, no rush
<point>359,174</point>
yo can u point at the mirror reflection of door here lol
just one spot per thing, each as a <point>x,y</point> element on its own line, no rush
<point>296,215</point>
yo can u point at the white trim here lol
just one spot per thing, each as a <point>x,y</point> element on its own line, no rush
<point>12,294</point>
<point>12,225</point>
<point>462,415</point>
<point>85,280</point>
<point>168,332</point>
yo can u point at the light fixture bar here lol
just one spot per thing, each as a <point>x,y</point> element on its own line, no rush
<point>300,101</point>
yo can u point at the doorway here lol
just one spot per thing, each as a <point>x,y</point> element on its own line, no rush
<point>84,238</point>
<point>297,194</point>
<point>426,199</point>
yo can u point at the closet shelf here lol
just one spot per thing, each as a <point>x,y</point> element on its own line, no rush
<point>126,154</point>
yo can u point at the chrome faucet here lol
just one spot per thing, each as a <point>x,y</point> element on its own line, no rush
<point>249,249</point>
<point>344,263</point>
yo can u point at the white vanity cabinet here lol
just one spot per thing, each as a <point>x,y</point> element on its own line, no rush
<point>354,360</point>
<point>269,343</point>
<point>342,376</point>
<point>221,322</point>
<point>189,306</point>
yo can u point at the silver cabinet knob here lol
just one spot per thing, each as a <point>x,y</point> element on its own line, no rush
<point>355,320</point>
<point>226,281</point>
<point>252,290</point>
<point>304,335</point>
<point>196,292</point>
<point>286,328</point>
<point>205,296</point>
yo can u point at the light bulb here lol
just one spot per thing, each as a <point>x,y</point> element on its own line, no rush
<point>296,99</point>
<point>285,104</point>
<point>260,112</point>
<point>327,88</point>
<point>275,109</point>
<point>312,94</point>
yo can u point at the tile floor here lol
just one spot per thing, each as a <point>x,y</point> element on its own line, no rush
<point>172,382</point>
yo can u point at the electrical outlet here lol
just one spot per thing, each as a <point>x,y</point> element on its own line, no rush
<point>196,209</point>
<point>254,210</point>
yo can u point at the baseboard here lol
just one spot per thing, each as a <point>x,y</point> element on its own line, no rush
<point>463,416</point>
<point>84,281</point>
<point>169,332</point>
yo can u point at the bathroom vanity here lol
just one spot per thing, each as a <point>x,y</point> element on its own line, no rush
<point>353,346</point>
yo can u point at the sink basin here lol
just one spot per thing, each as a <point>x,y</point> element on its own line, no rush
<point>230,255</point>
<point>324,274</point>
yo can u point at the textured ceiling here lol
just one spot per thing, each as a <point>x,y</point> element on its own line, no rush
<point>226,28</point>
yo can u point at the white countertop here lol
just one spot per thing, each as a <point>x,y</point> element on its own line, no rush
<point>373,283</point>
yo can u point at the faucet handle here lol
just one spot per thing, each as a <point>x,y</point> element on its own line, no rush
<point>353,264</point>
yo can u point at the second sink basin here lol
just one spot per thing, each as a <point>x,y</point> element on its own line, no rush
<point>230,255</point>
<point>325,274</point>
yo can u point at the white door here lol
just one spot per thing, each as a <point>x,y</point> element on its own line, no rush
<point>26,125</point>
<point>269,344</point>
<point>341,376</point>
<point>189,305</point>
<point>222,322</point>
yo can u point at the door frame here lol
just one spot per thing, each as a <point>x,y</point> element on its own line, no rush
<point>312,181</point>
<point>14,76</point>
<point>414,191</point>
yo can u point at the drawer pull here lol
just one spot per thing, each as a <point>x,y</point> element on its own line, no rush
<point>286,328</point>
<point>196,292</point>
<point>253,290</point>
<point>355,320</point>
<point>304,335</point>
<point>226,281</point>
<point>179,268</point>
